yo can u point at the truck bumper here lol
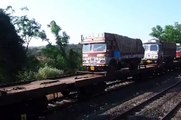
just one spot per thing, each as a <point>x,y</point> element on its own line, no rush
<point>149,61</point>
<point>96,68</point>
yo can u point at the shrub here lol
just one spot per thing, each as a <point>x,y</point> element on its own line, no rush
<point>48,72</point>
<point>27,75</point>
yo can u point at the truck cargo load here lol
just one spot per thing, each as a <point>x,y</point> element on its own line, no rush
<point>129,47</point>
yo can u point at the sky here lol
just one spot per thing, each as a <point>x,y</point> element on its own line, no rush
<point>132,18</point>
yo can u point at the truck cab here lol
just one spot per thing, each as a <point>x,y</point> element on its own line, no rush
<point>94,49</point>
<point>152,52</point>
<point>94,54</point>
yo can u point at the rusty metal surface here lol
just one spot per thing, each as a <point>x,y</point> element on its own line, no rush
<point>18,93</point>
<point>47,83</point>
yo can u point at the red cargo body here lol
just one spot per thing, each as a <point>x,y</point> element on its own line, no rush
<point>178,52</point>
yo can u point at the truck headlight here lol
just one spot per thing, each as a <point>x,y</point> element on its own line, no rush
<point>102,61</point>
<point>156,56</point>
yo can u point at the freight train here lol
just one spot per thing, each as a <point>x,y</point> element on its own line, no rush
<point>110,52</point>
<point>104,52</point>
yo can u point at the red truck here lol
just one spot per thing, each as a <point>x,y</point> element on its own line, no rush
<point>178,51</point>
<point>110,52</point>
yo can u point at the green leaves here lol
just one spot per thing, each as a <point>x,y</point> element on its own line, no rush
<point>61,38</point>
<point>170,33</point>
<point>26,27</point>
<point>55,29</point>
<point>12,52</point>
<point>59,56</point>
<point>48,72</point>
<point>157,32</point>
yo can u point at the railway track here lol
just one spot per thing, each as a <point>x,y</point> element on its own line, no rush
<point>172,111</point>
<point>134,111</point>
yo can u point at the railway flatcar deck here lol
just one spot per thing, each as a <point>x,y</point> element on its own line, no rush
<point>19,93</point>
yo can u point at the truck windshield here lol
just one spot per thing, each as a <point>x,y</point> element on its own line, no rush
<point>178,48</point>
<point>86,48</point>
<point>99,47</point>
<point>153,48</point>
<point>146,47</point>
<point>94,47</point>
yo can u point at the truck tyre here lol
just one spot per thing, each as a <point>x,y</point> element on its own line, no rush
<point>111,70</point>
<point>160,61</point>
<point>133,67</point>
<point>134,64</point>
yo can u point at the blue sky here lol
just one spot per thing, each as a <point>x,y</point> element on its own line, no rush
<point>132,18</point>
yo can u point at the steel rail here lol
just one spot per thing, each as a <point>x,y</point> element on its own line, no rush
<point>125,114</point>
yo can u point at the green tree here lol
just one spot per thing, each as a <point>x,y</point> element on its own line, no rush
<point>12,52</point>
<point>157,32</point>
<point>170,33</point>
<point>27,28</point>
<point>74,60</point>
<point>53,57</point>
<point>59,55</point>
<point>61,39</point>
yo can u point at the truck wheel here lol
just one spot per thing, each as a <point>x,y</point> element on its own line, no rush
<point>133,67</point>
<point>160,61</point>
<point>112,67</point>
<point>133,64</point>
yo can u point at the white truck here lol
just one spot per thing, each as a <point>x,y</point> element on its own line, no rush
<point>159,52</point>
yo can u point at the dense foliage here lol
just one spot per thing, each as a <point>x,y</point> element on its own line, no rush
<point>48,72</point>
<point>26,27</point>
<point>20,63</point>
<point>170,33</point>
<point>59,56</point>
<point>12,52</point>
